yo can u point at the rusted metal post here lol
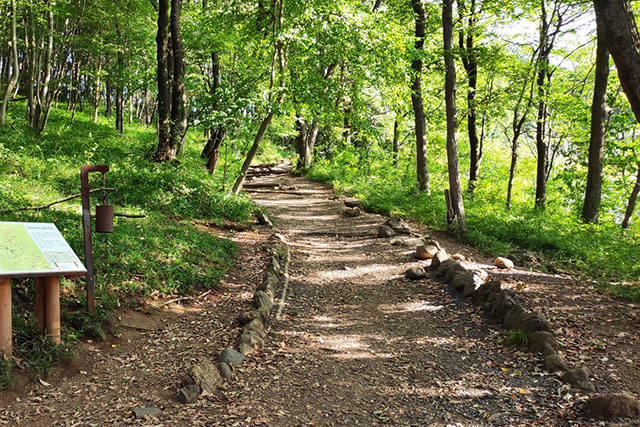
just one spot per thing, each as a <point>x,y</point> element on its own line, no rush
<point>86,226</point>
<point>52,307</point>
<point>6,346</point>
<point>40,291</point>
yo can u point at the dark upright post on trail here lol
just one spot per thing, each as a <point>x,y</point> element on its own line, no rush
<point>86,226</point>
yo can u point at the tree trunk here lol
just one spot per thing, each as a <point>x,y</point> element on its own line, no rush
<point>216,138</point>
<point>593,193</point>
<point>470,63</point>
<point>109,107</point>
<point>237,187</point>
<point>455,187</point>
<point>632,201</point>
<point>15,68</point>
<point>38,123</point>
<point>395,144</point>
<point>623,43</point>
<point>178,94</point>
<point>96,94</point>
<point>163,152</point>
<point>416,99</point>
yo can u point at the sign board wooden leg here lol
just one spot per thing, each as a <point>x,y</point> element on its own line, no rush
<point>5,317</point>
<point>40,291</point>
<point>52,307</point>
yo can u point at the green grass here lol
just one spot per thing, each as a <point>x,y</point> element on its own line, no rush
<point>516,337</point>
<point>167,253</point>
<point>603,253</point>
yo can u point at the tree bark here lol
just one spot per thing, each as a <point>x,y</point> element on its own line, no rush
<point>623,43</point>
<point>416,98</point>
<point>178,94</point>
<point>455,187</point>
<point>593,193</point>
<point>163,152</point>
<point>632,201</point>
<point>470,63</point>
<point>252,152</point>
<point>11,84</point>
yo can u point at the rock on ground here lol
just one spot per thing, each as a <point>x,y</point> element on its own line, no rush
<point>613,406</point>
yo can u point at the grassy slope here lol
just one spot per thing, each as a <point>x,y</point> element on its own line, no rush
<point>166,253</point>
<point>603,253</point>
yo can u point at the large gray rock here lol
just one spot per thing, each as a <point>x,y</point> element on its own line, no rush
<point>612,406</point>
<point>188,394</point>
<point>447,266</point>
<point>415,273</point>
<point>385,231</point>
<point>578,378</point>
<point>553,363</point>
<point>513,319</point>
<point>398,225</point>
<point>453,270</point>
<point>251,338</point>
<point>540,340</point>
<point>353,203</point>
<point>226,371</point>
<point>231,357</point>
<point>440,257</point>
<point>536,321</point>
<point>500,304</point>
<point>257,327</point>
<point>205,375</point>
<point>261,299</point>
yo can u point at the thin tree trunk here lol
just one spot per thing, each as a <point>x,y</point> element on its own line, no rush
<point>470,63</point>
<point>178,94</point>
<point>593,193</point>
<point>632,201</point>
<point>455,187</point>
<point>279,61</point>
<point>96,94</point>
<point>416,99</point>
<point>395,144</point>
<point>15,69</point>
<point>164,103</point>
<point>237,187</point>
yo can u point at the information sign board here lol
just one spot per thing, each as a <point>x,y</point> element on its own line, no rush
<point>35,249</point>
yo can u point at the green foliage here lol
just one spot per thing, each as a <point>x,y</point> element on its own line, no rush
<point>517,337</point>
<point>168,251</point>
<point>37,353</point>
<point>6,379</point>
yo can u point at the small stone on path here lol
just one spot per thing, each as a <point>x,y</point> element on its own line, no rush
<point>385,231</point>
<point>189,394</point>
<point>415,273</point>
<point>150,411</point>
<point>426,251</point>
<point>502,262</point>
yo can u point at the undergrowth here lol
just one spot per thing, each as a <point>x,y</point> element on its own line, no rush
<point>560,243</point>
<point>168,252</point>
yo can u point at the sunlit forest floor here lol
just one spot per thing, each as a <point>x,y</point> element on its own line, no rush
<point>358,343</point>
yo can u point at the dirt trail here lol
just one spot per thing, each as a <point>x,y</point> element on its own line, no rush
<point>358,344</point>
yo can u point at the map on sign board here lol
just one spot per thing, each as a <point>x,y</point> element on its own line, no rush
<point>28,248</point>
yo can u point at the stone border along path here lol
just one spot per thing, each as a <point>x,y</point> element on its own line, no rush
<point>206,376</point>
<point>502,305</point>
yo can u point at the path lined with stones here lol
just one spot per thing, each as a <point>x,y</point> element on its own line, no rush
<point>361,345</point>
